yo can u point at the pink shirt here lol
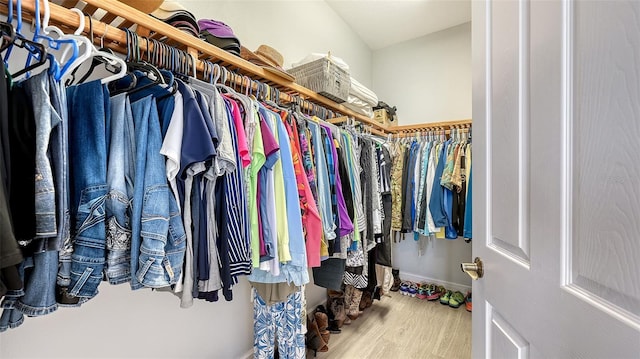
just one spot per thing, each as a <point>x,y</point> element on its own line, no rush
<point>243,147</point>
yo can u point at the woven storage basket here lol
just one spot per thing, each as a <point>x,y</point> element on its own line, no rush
<point>324,77</point>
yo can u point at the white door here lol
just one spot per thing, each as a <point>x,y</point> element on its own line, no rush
<point>556,192</point>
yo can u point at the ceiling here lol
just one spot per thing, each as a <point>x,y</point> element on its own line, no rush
<point>384,23</point>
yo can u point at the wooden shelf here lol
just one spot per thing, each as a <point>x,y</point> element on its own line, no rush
<point>110,16</point>
<point>106,27</point>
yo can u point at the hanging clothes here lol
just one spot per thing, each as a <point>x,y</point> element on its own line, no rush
<point>168,182</point>
<point>430,188</point>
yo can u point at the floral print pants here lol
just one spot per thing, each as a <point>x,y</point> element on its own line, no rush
<point>282,320</point>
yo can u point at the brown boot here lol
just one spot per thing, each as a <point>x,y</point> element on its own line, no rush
<point>335,293</point>
<point>322,321</point>
<point>337,312</point>
<point>314,339</point>
<point>353,310</point>
<point>396,280</point>
<point>325,336</point>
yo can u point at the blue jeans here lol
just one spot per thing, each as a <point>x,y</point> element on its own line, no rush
<point>87,165</point>
<point>38,297</point>
<point>11,317</point>
<point>46,118</point>
<point>158,236</point>
<point>120,171</point>
<point>60,163</point>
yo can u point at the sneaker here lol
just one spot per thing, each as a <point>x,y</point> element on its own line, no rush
<point>467,302</point>
<point>444,300</point>
<point>423,288</point>
<point>413,290</point>
<point>456,299</point>
<point>404,288</point>
<point>435,292</point>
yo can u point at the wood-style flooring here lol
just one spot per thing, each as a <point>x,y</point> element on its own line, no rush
<point>401,327</point>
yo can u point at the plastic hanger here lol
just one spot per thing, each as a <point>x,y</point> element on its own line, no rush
<point>53,44</point>
<point>8,34</point>
<point>81,40</point>
<point>35,50</point>
<point>112,63</point>
<point>134,63</point>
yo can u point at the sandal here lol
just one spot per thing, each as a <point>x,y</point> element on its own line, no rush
<point>444,300</point>
<point>456,299</point>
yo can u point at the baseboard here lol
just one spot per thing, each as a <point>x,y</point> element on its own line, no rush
<point>449,285</point>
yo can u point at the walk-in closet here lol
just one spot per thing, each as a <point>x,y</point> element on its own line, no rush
<point>319,179</point>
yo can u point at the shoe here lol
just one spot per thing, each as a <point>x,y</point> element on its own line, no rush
<point>313,338</point>
<point>377,293</point>
<point>435,292</point>
<point>456,299</point>
<point>444,300</point>
<point>369,299</point>
<point>413,290</point>
<point>467,302</point>
<point>353,308</point>
<point>396,280</point>
<point>422,290</point>
<point>366,301</point>
<point>322,321</point>
<point>333,327</point>
<point>335,293</point>
<point>337,310</point>
<point>404,288</point>
<point>325,335</point>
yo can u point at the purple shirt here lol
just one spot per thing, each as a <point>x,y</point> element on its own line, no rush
<point>345,223</point>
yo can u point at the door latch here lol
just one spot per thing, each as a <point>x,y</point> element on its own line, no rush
<point>474,270</point>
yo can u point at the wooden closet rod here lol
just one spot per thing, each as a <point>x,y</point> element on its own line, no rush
<point>116,39</point>
<point>430,126</point>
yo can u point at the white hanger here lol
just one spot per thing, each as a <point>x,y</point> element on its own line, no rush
<point>92,51</point>
<point>83,44</point>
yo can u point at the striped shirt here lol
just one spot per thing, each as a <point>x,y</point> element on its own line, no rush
<point>235,217</point>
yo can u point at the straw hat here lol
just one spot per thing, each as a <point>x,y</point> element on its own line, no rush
<point>268,58</point>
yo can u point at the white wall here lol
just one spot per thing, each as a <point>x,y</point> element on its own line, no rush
<point>119,323</point>
<point>294,28</point>
<point>429,80</point>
